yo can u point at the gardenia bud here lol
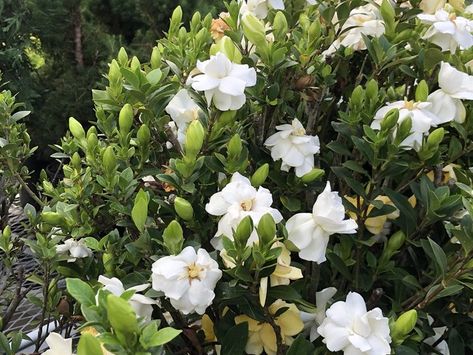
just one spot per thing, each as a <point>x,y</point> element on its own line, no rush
<point>422,91</point>
<point>194,138</point>
<point>226,46</point>
<point>372,89</point>
<point>390,120</point>
<point>254,30</point>
<point>260,175</point>
<point>92,141</point>
<point>7,232</point>
<point>266,229</point>
<point>143,135</point>
<point>109,160</point>
<point>173,237</point>
<point>76,161</point>
<point>396,241</point>
<point>114,74</point>
<point>312,175</point>
<point>404,325</point>
<point>135,64</point>
<point>435,138</point>
<point>243,231</point>
<point>122,57</point>
<point>125,119</point>
<point>176,17</point>
<point>76,128</point>
<point>183,208</point>
<point>155,58</point>
<point>52,218</point>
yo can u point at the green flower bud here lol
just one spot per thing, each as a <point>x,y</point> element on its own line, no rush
<point>227,47</point>
<point>108,262</point>
<point>357,96</point>
<point>266,229</point>
<point>234,146</point>
<point>195,21</point>
<point>173,237</point>
<point>182,34</point>
<point>92,141</point>
<point>6,232</point>
<point>135,64</point>
<point>243,231</point>
<point>76,128</point>
<point>404,129</point>
<point>312,175</point>
<point>194,138</point>
<point>260,175</point>
<point>422,91</point>
<point>254,30</point>
<point>390,120</point>
<point>176,19</point>
<point>143,135</point>
<point>122,57</point>
<point>314,30</point>
<point>372,89</point>
<point>396,241</point>
<point>183,208</point>
<point>114,74</point>
<point>109,160</point>
<point>52,218</point>
<point>125,119</point>
<point>435,138</point>
<point>280,26</point>
<point>76,161</point>
<point>48,187</point>
<point>155,60</point>
<point>404,325</point>
<point>207,21</point>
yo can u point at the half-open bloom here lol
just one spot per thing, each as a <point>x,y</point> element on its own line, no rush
<point>310,232</point>
<point>76,249</point>
<point>234,202</point>
<point>350,328</point>
<point>224,82</point>
<point>187,279</point>
<point>448,31</point>
<point>446,101</point>
<point>182,110</point>
<point>294,147</point>
<point>141,304</point>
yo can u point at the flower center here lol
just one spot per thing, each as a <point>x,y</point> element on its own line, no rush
<point>298,132</point>
<point>452,17</point>
<point>247,205</point>
<point>193,271</point>
<point>410,105</point>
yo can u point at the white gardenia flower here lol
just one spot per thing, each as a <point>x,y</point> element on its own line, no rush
<point>294,147</point>
<point>141,304</point>
<point>446,101</point>
<point>237,200</point>
<point>182,110</point>
<point>313,320</point>
<point>76,248</point>
<point>364,20</point>
<point>350,328</point>
<point>58,345</point>
<point>187,279</point>
<point>224,82</point>
<point>260,8</point>
<point>448,31</point>
<point>421,116</point>
<point>310,232</point>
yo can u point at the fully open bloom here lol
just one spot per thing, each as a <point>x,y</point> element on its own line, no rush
<point>350,328</point>
<point>183,110</point>
<point>187,279</point>
<point>262,336</point>
<point>58,345</point>
<point>76,248</point>
<point>224,82</point>
<point>446,101</point>
<point>313,320</point>
<point>421,116</point>
<point>294,147</point>
<point>310,232</point>
<point>237,200</point>
<point>448,31</point>
<point>363,20</point>
<point>260,8</point>
<point>142,305</point>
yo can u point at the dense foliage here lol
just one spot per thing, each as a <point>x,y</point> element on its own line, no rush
<point>289,178</point>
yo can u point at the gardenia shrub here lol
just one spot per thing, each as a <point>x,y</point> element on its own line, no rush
<point>292,177</point>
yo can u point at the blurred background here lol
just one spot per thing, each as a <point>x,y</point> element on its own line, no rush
<point>53,52</point>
